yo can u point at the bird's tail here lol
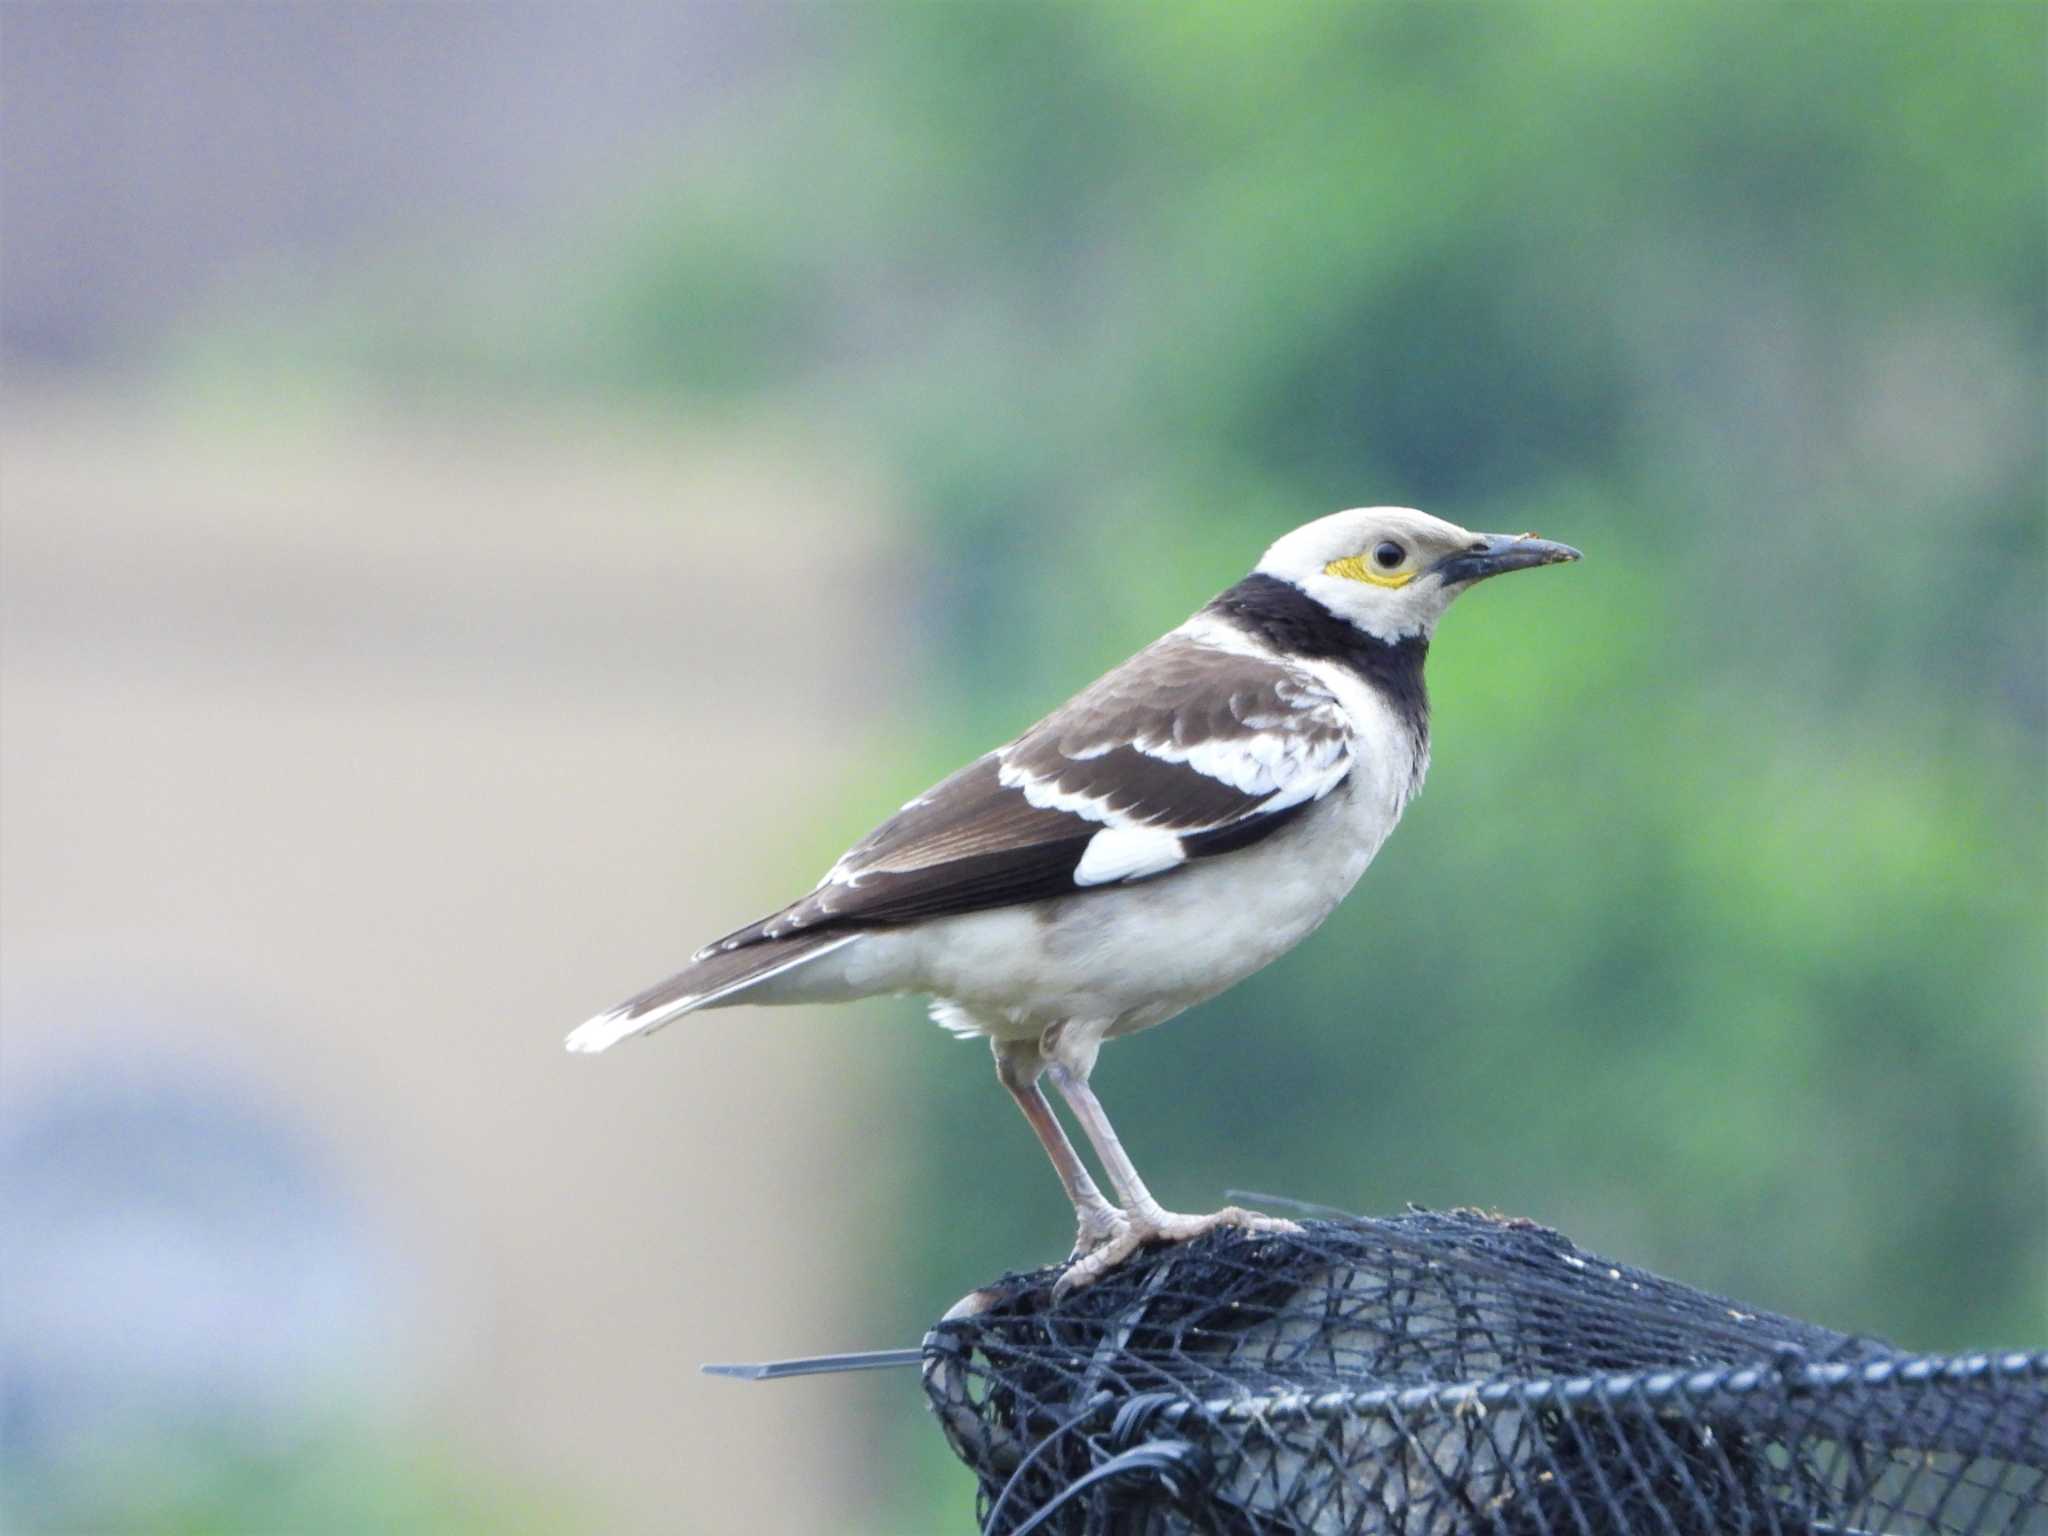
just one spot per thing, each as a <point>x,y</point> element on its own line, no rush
<point>715,976</point>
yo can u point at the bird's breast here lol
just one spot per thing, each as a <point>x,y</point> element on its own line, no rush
<point>1127,957</point>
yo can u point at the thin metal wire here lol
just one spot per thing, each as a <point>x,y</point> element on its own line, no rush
<point>817,1365</point>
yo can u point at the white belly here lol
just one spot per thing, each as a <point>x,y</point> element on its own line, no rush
<point>1129,958</point>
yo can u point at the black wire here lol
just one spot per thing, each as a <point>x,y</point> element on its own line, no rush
<point>1159,1457</point>
<point>1093,1407</point>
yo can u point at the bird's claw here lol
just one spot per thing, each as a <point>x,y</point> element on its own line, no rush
<point>1156,1226</point>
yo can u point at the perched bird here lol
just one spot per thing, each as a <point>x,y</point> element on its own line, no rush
<point>1185,820</point>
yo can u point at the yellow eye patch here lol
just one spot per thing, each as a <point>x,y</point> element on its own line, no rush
<point>1355,568</point>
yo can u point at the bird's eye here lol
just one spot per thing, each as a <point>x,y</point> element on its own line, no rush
<point>1389,555</point>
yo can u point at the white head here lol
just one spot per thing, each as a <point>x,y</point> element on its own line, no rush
<point>1392,571</point>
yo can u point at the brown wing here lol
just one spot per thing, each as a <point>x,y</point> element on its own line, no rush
<point>1183,752</point>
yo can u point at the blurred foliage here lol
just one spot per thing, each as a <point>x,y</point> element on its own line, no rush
<point>1717,939</point>
<point>312,1477</point>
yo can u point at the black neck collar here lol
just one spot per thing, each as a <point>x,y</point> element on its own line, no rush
<point>1295,624</point>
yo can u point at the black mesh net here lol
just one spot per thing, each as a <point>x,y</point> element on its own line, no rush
<point>1436,1374</point>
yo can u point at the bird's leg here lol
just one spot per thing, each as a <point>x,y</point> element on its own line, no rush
<point>1147,1221</point>
<point>1018,1065</point>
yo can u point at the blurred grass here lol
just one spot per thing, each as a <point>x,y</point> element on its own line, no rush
<point>1717,938</point>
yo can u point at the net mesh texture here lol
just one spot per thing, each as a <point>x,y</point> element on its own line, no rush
<point>1435,1374</point>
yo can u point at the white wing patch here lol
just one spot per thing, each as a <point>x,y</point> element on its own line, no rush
<point>1128,853</point>
<point>1050,797</point>
<point>1290,747</point>
<point>1284,767</point>
<point>1281,767</point>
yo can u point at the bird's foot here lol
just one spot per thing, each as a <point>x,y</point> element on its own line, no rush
<point>1157,1226</point>
<point>1097,1226</point>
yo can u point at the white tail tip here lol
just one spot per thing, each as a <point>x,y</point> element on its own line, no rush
<point>607,1030</point>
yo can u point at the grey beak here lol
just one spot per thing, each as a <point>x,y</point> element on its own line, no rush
<point>1501,552</point>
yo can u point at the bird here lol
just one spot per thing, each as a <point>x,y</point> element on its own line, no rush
<point>1179,824</point>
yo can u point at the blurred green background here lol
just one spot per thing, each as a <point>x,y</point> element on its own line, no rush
<point>1717,939</point>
